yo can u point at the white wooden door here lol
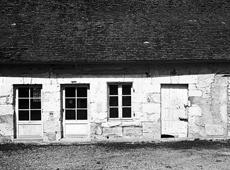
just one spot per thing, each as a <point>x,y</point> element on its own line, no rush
<point>28,112</point>
<point>174,118</point>
<point>75,111</point>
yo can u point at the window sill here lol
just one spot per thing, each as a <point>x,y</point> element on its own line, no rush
<point>120,119</point>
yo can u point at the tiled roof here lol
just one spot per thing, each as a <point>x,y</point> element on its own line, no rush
<point>70,31</point>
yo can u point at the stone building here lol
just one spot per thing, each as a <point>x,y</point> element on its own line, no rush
<point>113,71</point>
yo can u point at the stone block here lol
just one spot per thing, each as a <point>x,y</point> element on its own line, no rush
<point>156,88</point>
<point>175,79</point>
<point>43,81</point>
<point>6,90</point>
<point>138,115</point>
<point>6,100</point>
<point>112,131</point>
<point>5,139</point>
<point>51,97</point>
<point>133,124</point>
<point>187,79</point>
<point>195,93</point>
<point>214,130</point>
<point>205,80</point>
<point>163,80</point>
<point>137,107</point>
<point>132,131</point>
<point>139,97</point>
<point>50,136</point>
<point>95,128</point>
<point>151,130</point>
<point>223,112</point>
<point>6,109</point>
<point>151,107</point>
<point>51,107</point>
<point>153,97</point>
<point>192,86</point>
<point>110,124</point>
<point>98,117</point>
<point>98,130</point>
<point>194,110</point>
<point>51,88</point>
<point>6,125</point>
<point>8,81</point>
<point>51,126</point>
<point>148,127</point>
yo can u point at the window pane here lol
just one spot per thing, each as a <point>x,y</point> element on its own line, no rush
<point>70,103</point>
<point>126,89</point>
<point>81,92</point>
<point>35,114</point>
<point>70,92</point>
<point>23,92</point>
<point>35,103</point>
<point>81,114</point>
<point>81,103</point>
<point>23,115</point>
<point>126,100</point>
<point>23,103</point>
<point>35,92</point>
<point>113,89</point>
<point>126,112</point>
<point>113,101</point>
<point>70,115</point>
<point>113,112</point>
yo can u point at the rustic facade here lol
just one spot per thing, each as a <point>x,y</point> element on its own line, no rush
<point>205,105</point>
<point>109,70</point>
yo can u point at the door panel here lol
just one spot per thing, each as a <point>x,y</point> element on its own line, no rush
<point>173,111</point>
<point>29,131</point>
<point>75,111</point>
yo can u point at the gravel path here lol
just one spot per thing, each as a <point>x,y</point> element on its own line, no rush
<point>118,156</point>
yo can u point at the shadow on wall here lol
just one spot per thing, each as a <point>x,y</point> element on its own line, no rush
<point>116,70</point>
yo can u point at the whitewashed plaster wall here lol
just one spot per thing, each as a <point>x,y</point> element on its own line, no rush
<point>207,91</point>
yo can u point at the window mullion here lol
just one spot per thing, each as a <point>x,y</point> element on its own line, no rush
<point>120,101</point>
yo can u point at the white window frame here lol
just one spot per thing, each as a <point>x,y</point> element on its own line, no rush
<point>75,121</point>
<point>76,108</point>
<point>29,98</point>
<point>29,122</point>
<point>120,107</point>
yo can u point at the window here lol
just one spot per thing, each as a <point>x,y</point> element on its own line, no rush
<point>120,100</point>
<point>75,103</point>
<point>29,103</point>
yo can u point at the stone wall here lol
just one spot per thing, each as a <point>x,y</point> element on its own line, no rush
<point>208,91</point>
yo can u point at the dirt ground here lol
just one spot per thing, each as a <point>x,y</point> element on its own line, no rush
<point>117,156</point>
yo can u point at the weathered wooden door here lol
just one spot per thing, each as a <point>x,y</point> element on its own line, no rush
<point>174,118</point>
<point>28,112</point>
<point>75,111</point>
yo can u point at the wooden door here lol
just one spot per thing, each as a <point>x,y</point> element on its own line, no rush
<point>28,112</point>
<point>174,118</point>
<point>75,111</point>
